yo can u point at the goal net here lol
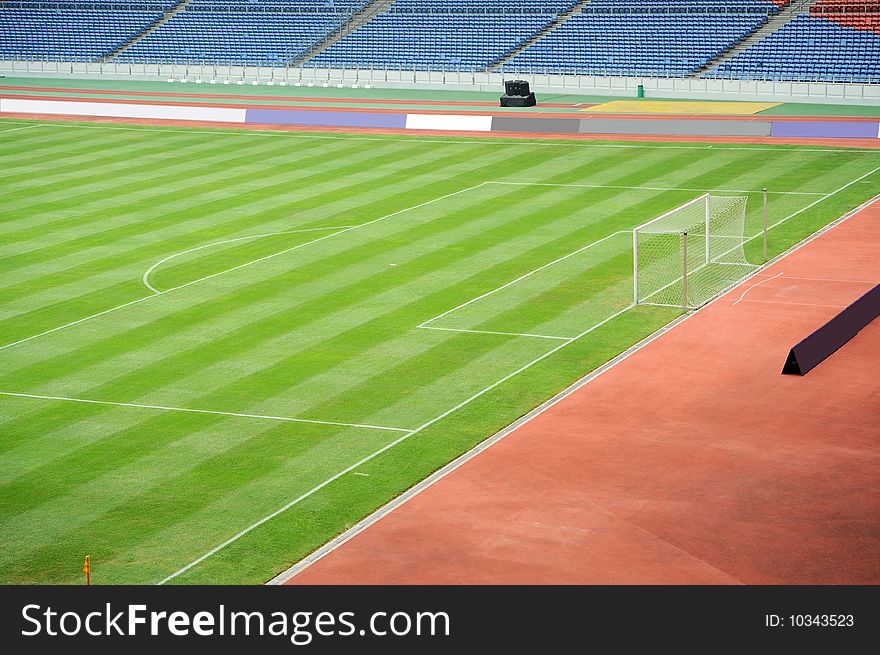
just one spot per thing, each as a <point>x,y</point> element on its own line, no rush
<point>689,255</point>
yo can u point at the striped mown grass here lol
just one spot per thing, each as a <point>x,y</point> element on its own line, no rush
<point>205,335</point>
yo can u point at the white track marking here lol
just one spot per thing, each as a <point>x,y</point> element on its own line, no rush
<point>202,411</point>
<point>743,295</point>
<point>24,127</point>
<point>480,140</point>
<point>522,277</point>
<point>787,302</point>
<point>146,278</point>
<point>659,188</point>
<point>825,279</point>
<point>506,334</point>
<point>494,439</point>
<point>235,268</point>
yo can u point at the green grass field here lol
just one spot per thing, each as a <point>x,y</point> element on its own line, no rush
<point>253,319</point>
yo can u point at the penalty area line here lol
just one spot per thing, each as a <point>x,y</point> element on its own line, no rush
<point>146,277</point>
<point>387,447</point>
<point>657,188</point>
<point>504,334</point>
<point>155,293</point>
<point>266,417</point>
<point>24,127</point>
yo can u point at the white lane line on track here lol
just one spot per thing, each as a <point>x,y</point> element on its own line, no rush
<point>788,302</point>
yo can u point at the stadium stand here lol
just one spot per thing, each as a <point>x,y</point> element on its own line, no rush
<point>813,48</point>
<point>686,6</point>
<point>671,38</point>
<point>455,35</point>
<point>73,31</point>
<point>261,32</point>
<point>864,15</point>
<point>838,40</point>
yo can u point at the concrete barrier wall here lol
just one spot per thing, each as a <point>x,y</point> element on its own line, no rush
<point>688,87</point>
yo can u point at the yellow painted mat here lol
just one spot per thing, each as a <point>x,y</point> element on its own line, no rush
<point>680,107</point>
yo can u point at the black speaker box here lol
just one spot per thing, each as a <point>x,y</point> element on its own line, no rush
<point>516,88</point>
<point>519,101</point>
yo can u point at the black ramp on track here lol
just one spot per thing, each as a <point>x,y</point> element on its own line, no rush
<point>832,336</point>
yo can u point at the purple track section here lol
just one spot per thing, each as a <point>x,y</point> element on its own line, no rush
<point>826,129</point>
<point>324,118</point>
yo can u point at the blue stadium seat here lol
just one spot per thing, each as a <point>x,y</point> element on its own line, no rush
<point>68,34</point>
<point>636,43</point>
<point>809,49</point>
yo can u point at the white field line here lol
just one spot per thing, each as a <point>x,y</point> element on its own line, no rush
<point>521,277</point>
<point>764,281</point>
<point>24,127</point>
<point>325,237</point>
<point>202,411</point>
<point>659,188</point>
<point>475,140</point>
<point>76,322</point>
<point>816,202</point>
<point>156,294</point>
<point>407,433</point>
<point>146,278</point>
<point>507,334</point>
<point>562,395</point>
<point>286,507</point>
<point>467,401</point>
<point>366,459</point>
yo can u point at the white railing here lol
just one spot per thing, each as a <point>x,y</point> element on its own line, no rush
<point>657,87</point>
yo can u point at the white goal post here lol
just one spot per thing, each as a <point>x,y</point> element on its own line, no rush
<point>692,253</point>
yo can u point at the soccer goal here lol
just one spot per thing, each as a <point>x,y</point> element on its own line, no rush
<point>689,255</point>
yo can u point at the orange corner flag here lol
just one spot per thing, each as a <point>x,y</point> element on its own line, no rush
<point>87,569</point>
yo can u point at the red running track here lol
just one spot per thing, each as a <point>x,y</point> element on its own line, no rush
<point>692,461</point>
